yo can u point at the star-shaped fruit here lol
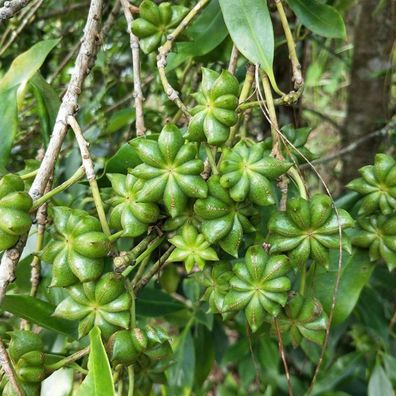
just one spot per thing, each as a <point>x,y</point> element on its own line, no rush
<point>170,170</point>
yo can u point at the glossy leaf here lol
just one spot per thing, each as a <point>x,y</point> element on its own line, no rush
<point>379,384</point>
<point>39,312</point>
<point>205,34</point>
<point>356,272</point>
<point>99,381</point>
<point>152,302</point>
<point>250,27</point>
<point>321,18</point>
<point>20,72</point>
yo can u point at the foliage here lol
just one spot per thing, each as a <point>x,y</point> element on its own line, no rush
<point>202,260</point>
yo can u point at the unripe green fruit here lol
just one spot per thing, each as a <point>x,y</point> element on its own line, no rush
<point>308,229</point>
<point>23,342</point>
<point>154,23</point>
<point>215,112</point>
<point>170,170</point>
<point>78,249</point>
<point>104,303</point>
<point>127,212</point>
<point>15,204</point>
<point>246,171</point>
<point>223,220</point>
<point>122,349</point>
<point>377,186</point>
<point>192,249</point>
<point>303,318</point>
<point>259,286</point>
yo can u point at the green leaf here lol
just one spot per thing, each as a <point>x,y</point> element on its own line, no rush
<point>204,354</point>
<point>356,272</point>
<point>12,85</point>
<point>39,312</point>
<point>47,104</point>
<point>205,34</point>
<point>99,381</point>
<point>8,123</point>
<point>249,24</point>
<point>153,302</point>
<point>119,119</point>
<point>379,384</point>
<point>322,19</point>
<point>181,374</point>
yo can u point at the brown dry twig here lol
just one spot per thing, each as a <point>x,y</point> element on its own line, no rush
<point>10,8</point>
<point>163,53</point>
<point>137,82</point>
<point>9,371</point>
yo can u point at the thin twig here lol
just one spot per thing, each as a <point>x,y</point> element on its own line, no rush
<point>8,368</point>
<point>390,127</point>
<point>233,59</point>
<point>68,360</point>
<point>68,107</point>
<point>283,356</point>
<point>86,54</point>
<point>10,8</point>
<point>153,270</point>
<point>21,26</point>
<point>88,166</point>
<point>297,77</point>
<point>75,178</point>
<point>164,50</point>
<point>137,82</point>
<point>41,218</point>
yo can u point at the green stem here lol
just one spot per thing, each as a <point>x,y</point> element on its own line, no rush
<point>153,270</point>
<point>291,45</point>
<point>272,114</point>
<point>29,175</point>
<point>246,87</point>
<point>76,177</point>
<point>140,271</point>
<point>293,173</point>
<point>211,159</point>
<point>69,359</point>
<point>146,254</point>
<point>116,235</point>
<point>303,280</point>
<point>131,381</point>
<point>121,262</point>
<point>99,206</point>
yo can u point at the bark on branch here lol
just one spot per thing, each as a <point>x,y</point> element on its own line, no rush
<point>10,8</point>
<point>88,51</point>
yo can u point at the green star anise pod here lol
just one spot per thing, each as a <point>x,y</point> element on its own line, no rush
<point>377,185</point>
<point>26,352</point>
<point>187,216</point>
<point>215,112</point>
<point>192,249</point>
<point>308,229</point>
<point>128,346</point>
<point>223,220</point>
<point>217,284</point>
<point>79,247</point>
<point>378,234</point>
<point>104,303</point>
<point>155,23</point>
<point>303,317</point>
<point>15,204</point>
<point>259,286</point>
<point>170,170</point>
<point>127,213</point>
<point>246,171</point>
